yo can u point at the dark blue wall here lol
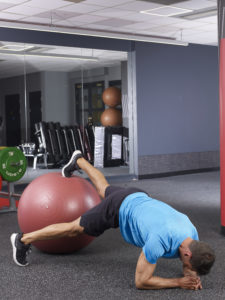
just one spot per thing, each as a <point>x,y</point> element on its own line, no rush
<point>177,98</point>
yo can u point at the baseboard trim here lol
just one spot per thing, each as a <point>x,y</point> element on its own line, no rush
<point>177,173</point>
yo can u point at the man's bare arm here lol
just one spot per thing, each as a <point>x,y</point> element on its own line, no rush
<point>144,278</point>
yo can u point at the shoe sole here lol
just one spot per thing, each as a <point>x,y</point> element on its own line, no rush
<point>71,159</point>
<point>12,239</point>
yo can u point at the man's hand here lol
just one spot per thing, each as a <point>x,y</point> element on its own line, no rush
<point>144,278</point>
<point>190,283</point>
<point>188,272</point>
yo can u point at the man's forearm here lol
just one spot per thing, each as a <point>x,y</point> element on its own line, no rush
<point>188,272</point>
<point>155,283</point>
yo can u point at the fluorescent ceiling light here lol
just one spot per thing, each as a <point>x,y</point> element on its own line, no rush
<point>12,47</point>
<point>201,14</point>
<point>84,32</point>
<point>49,55</point>
<point>166,11</point>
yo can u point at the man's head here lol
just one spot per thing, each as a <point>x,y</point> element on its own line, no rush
<point>202,257</point>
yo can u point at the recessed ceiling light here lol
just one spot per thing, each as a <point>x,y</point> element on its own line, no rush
<point>166,11</point>
<point>12,47</point>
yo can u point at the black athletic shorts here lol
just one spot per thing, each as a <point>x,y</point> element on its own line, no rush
<point>106,214</point>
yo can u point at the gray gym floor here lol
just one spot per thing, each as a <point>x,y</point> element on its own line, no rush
<point>105,269</point>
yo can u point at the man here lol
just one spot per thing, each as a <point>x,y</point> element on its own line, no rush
<point>152,225</point>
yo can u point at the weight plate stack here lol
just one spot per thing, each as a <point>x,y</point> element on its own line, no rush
<point>13,164</point>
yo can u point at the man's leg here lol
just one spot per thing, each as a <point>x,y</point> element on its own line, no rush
<point>21,242</point>
<point>54,231</point>
<point>78,162</point>
<point>96,177</point>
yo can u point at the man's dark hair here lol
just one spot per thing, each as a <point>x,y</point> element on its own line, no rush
<point>203,257</point>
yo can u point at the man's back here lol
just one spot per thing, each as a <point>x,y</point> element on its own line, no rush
<point>154,226</point>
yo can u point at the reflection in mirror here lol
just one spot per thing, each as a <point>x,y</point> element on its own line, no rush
<point>52,103</point>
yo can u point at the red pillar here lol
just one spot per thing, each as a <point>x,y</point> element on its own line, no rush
<point>222,129</point>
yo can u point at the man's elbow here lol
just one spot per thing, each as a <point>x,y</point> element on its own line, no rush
<point>140,283</point>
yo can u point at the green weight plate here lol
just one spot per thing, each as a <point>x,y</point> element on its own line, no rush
<point>13,164</point>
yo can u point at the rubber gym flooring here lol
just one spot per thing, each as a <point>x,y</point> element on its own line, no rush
<point>105,269</point>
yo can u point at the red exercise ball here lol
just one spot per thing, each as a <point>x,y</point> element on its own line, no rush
<point>111,117</point>
<point>51,199</point>
<point>112,96</point>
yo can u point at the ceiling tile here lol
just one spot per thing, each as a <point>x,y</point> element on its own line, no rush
<point>34,19</point>
<point>57,14</point>
<point>82,8</point>
<point>212,19</point>
<point>148,32</point>
<point>138,26</point>
<point>114,22</point>
<point>138,6</point>
<point>16,1</point>
<point>96,27</point>
<point>4,5</point>
<point>66,14</point>
<point>49,4</point>
<point>68,23</point>
<point>25,10</point>
<point>106,3</point>
<point>48,15</point>
<point>193,4</point>
<point>138,17</point>
<point>87,19</point>
<point>192,32</point>
<point>8,16</point>
<point>111,13</point>
<point>209,27</point>
<point>188,24</point>
<point>164,29</point>
<point>164,20</point>
<point>164,2</point>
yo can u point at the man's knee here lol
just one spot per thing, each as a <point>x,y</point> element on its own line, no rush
<point>103,191</point>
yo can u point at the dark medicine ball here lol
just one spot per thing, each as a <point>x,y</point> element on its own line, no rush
<point>112,96</point>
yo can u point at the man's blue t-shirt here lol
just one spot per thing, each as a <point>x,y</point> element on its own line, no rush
<point>154,226</point>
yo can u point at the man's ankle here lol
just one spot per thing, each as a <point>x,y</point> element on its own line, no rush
<point>24,240</point>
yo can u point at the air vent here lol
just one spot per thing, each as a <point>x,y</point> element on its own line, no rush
<point>166,11</point>
<point>74,1</point>
<point>164,2</point>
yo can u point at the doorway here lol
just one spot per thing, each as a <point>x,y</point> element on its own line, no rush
<point>13,125</point>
